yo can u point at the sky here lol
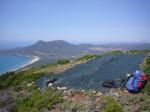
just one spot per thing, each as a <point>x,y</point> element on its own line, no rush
<point>76,21</point>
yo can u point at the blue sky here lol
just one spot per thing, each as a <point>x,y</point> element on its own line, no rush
<point>76,21</point>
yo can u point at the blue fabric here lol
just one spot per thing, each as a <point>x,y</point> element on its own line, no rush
<point>129,84</point>
<point>132,84</point>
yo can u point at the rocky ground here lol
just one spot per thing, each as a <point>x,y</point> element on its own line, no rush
<point>6,101</point>
<point>94,101</point>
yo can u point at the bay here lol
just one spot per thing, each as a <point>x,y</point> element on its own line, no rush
<point>12,62</point>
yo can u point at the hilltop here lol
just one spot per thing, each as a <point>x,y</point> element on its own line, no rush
<point>20,94</point>
<point>58,48</point>
<point>61,49</point>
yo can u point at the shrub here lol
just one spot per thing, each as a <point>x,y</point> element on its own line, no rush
<point>138,51</point>
<point>27,76</point>
<point>147,60</point>
<point>87,57</point>
<point>62,61</point>
<point>17,78</point>
<point>72,106</point>
<point>115,52</point>
<point>146,70</point>
<point>2,104</point>
<point>111,105</point>
<point>7,79</point>
<point>38,100</point>
<point>90,95</point>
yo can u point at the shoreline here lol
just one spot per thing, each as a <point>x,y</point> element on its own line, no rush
<point>31,61</point>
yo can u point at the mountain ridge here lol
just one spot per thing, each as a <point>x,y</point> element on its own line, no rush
<point>63,49</point>
<point>48,49</point>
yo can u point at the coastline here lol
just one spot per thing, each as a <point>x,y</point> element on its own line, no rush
<point>33,60</point>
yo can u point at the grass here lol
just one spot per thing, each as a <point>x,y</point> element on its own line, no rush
<point>111,105</point>
<point>128,52</point>
<point>146,69</point>
<point>31,99</point>
<point>61,62</point>
<point>38,100</point>
<point>138,51</point>
<point>73,106</point>
<point>15,79</point>
<point>142,100</point>
<point>115,52</point>
<point>87,57</point>
<point>2,104</point>
<point>92,103</point>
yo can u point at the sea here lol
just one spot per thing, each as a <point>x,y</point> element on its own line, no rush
<point>12,62</point>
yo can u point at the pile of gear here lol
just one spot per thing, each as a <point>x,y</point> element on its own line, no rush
<point>136,82</point>
<point>133,83</point>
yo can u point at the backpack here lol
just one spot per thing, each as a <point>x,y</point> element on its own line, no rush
<point>136,82</point>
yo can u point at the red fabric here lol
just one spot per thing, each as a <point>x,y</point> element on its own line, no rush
<point>144,78</point>
<point>140,85</point>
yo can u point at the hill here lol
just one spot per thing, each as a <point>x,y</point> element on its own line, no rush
<point>56,48</point>
<point>61,49</point>
<point>19,93</point>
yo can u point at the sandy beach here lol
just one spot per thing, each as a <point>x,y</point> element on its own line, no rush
<point>33,60</point>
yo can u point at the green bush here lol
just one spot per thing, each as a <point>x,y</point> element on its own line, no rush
<point>17,78</point>
<point>115,52</point>
<point>87,57</point>
<point>111,105</point>
<point>26,76</point>
<point>38,100</point>
<point>90,95</point>
<point>138,51</point>
<point>147,60</point>
<point>146,70</point>
<point>7,79</point>
<point>72,106</point>
<point>2,104</point>
<point>63,61</point>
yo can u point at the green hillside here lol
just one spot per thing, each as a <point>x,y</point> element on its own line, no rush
<point>20,94</point>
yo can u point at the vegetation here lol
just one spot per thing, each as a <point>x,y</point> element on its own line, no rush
<point>28,98</point>
<point>7,79</point>
<point>17,78</point>
<point>128,52</point>
<point>38,100</point>
<point>73,106</point>
<point>1,104</point>
<point>138,51</point>
<point>142,100</point>
<point>111,105</point>
<point>147,60</point>
<point>146,70</point>
<point>90,102</point>
<point>63,61</point>
<point>87,57</point>
<point>115,52</point>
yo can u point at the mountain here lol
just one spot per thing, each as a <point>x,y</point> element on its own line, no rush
<point>63,49</point>
<point>117,46</point>
<point>57,48</point>
<point>128,46</point>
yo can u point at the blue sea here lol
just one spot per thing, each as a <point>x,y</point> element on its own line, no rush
<point>11,62</point>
